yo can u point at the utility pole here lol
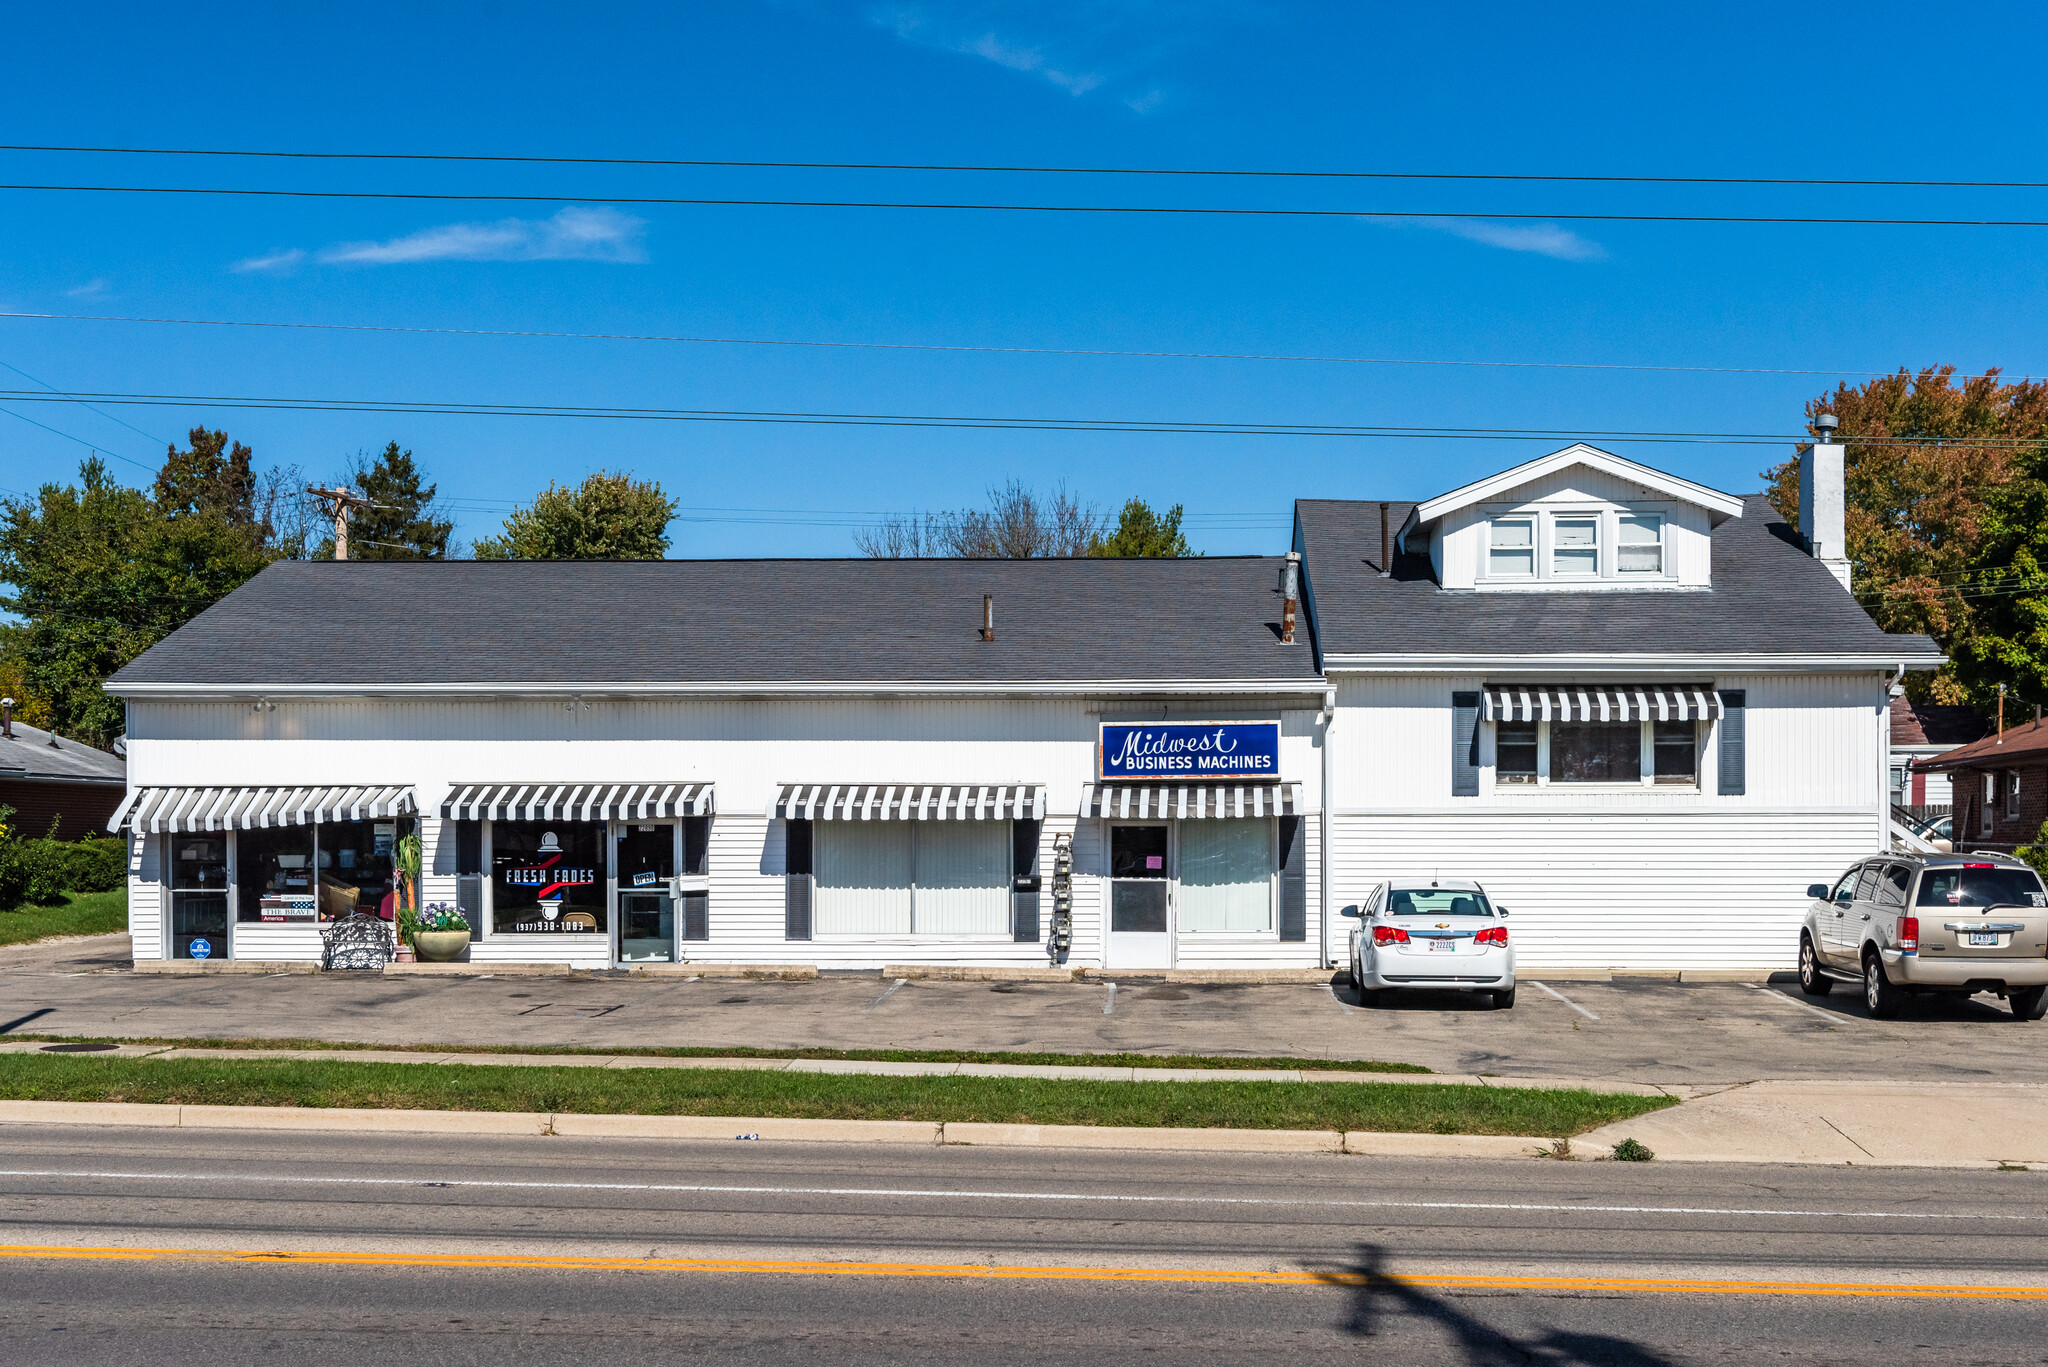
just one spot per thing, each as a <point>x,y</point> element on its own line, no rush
<point>344,502</point>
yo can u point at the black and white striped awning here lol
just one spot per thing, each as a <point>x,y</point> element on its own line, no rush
<point>910,802</point>
<point>575,801</point>
<point>1604,702</point>
<point>1190,801</point>
<point>157,810</point>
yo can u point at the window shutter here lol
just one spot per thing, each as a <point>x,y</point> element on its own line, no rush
<point>696,911</point>
<point>696,842</point>
<point>469,871</point>
<point>1734,743</point>
<point>1293,878</point>
<point>1464,745</point>
<point>1024,882</point>
<point>796,889</point>
<point>469,847</point>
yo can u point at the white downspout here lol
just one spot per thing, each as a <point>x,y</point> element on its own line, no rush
<point>1884,761</point>
<point>1329,720</point>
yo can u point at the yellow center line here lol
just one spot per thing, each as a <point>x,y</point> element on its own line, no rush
<point>1212,1276</point>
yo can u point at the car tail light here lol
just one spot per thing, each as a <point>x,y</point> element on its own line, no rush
<point>1389,935</point>
<point>1492,935</point>
<point>1909,933</point>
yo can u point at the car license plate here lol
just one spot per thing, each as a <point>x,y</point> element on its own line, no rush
<point>1445,945</point>
<point>1984,937</point>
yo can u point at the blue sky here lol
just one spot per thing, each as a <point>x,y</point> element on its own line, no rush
<point>1728,90</point>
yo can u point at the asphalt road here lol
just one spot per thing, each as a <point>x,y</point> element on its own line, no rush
<point>1634,1030</point>
<point>295,1248</point>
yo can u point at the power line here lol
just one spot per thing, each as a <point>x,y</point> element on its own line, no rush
<point>1402,215</point>
<point>1143,426</point>
<point>710,163</point>
<point>94,447</point>
<point>943,347</point>
<point>108,416</point>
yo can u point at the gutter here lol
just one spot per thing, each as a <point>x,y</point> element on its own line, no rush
<point>1627,662</point>
<point>1305,687</point>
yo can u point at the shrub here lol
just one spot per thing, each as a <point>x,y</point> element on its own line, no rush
<point>40,872</point>
<point>98,865</point>
<point>14,874</point>
<point>1633,1151</point>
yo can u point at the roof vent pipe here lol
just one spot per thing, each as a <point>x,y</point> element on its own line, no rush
<point>7,718</point>
<point>1386,547</point>
<point>1290,595</point>
<point>988,617</point>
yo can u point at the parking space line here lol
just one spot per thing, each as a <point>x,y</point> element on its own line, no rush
<point>1109,1002</point>
<point>887,993</point>
<point>1830,1017</point>
<point>1341,1006</point>
<point>1546,987</point>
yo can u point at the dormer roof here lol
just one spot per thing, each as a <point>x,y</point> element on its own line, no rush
<point>1719,506</point>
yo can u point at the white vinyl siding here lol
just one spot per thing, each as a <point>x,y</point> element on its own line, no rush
<point>912,877</point>
<point>1226,876</point>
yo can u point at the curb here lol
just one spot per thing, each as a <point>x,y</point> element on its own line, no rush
<point>748,1128</point>
<point>229,967</point>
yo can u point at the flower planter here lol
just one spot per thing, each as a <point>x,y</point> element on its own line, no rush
<point>440,946</point>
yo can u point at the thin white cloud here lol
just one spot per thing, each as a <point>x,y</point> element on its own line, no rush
<point>88,290</point>
<point>270,262</point>
<point>1544,239</point>
<point>572,235</point>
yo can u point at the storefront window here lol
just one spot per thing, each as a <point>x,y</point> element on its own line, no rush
<point>547,878</point>
<point>274,875</point>
<point>913,877</point>
<point>355,863</point>
<point>1226,875</point>
<point>199,896</point>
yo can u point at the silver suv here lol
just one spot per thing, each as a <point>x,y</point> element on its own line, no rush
<point>1950,923</point>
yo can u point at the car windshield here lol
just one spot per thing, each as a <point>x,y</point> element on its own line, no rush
<point>1438,902</point>
<point>1981,886</point>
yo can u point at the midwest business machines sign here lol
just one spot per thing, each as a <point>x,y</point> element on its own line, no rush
<point>1190,750</point>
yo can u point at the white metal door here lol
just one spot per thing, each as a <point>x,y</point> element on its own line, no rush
<point>1140,922</point>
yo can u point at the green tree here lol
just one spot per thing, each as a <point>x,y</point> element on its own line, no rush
<point>212,474</point>
<point>101,574</point>
<point>1939,487</point>
<point>607,517</point>
<point>401,525</point>
<point>1142,532</point>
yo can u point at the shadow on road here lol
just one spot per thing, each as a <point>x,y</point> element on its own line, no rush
<point>1377,1294</point>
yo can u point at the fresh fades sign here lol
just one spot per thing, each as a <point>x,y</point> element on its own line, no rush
<point>1190,750</point>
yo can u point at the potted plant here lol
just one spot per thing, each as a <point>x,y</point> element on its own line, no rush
<point>441,933</point>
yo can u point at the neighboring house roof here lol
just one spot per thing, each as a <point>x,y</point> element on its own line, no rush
<point>2026,743</point>
<point>30,757</point>
<point>508,625</point>
<point>1769,598</point>
<point>1718,505</point>
<point>1934,724</point>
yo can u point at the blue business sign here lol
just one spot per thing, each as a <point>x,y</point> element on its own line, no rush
<point>1183,750</point>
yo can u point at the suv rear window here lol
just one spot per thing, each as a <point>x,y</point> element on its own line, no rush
<point>1438,902</point>
<point>1981,887</point>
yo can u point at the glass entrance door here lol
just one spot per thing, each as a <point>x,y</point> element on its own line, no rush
<point>199,895</point>
<point>1140,897</point>
<point>647,910</point>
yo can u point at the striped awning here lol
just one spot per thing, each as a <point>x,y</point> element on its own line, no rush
<point>575,801</point>
<point>156,810</point>
<point>1603,702</point>
<point>1190,801</point>
<point>910,802</point>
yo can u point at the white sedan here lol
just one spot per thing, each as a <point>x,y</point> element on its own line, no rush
<point>1446,934</point>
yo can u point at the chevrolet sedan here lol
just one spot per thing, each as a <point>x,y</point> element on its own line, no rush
<point>1444,935</point>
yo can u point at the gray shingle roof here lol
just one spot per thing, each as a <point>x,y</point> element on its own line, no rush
<point>735,621</point>
<point>29,755</point>
<point>1768,597</point>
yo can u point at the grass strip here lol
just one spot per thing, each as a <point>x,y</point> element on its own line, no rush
<point>83,913</point>
<point>1033,1101</point>
<point>1229,1061</point>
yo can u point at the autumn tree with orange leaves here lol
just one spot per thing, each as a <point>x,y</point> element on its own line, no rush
<point>1947,495</point>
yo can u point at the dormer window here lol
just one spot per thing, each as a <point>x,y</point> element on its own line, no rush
<point>1575,547</point>
<point>1511,553</point>
<point>1640,544</point>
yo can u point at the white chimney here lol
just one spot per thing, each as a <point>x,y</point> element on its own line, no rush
<point>1821,500</point>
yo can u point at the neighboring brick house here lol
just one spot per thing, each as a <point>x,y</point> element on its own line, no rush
<point>2001,787</point>
<point>1921,732</point>
<point>47,779</point>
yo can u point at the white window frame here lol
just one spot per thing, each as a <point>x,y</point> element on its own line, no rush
<point>1647,763</point>
<point>1534,522</point>
<point>1990,802</point>
<point>2012,794</point>
<point>1599,550</point>
<point>1663,521</point>
<point>822,829</point>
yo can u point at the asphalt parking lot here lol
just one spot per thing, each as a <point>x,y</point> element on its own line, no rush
<point>1641,1030</point>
